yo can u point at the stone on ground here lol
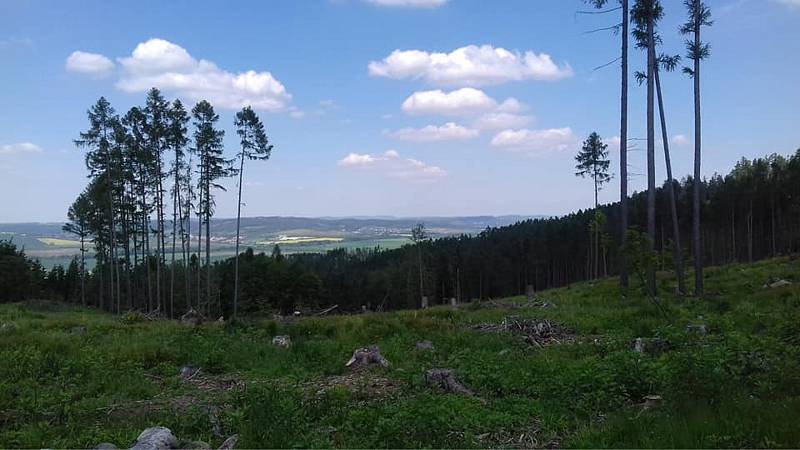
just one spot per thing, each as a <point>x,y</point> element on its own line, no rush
<point>155,438</point>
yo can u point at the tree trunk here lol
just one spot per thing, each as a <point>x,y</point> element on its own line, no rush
<point>651,166</point>
<point>238,219</point>
<point>676,232</point>
<point>698,250</point>
<point>623,149</point>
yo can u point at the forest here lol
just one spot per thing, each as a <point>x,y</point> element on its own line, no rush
<point>154,171</point>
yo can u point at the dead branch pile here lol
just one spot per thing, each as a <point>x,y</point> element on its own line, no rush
<point>539,332</point>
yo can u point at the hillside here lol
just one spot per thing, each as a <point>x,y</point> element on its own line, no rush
<point>75,378</point>
<point>51,245</point>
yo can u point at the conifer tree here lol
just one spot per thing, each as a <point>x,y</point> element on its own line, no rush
<point>593,162</point>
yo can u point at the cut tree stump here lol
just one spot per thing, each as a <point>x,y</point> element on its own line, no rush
<point>188,372</point>
<point>192,318</point>
<point>282,341</point>
<point>445,380</point>
<point>367,357</point>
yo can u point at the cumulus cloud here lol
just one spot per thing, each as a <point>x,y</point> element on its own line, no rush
<point>168,66</point>
<point>502,121</point>
<point>461,102</point>
<point>392,165</point>
<point>19,148</point>
<point>534,142</point>
<point>408,3</point>
<point>471,65</point>
<point>92,64</point>
<point>432,133</point>
<point>680,139</point>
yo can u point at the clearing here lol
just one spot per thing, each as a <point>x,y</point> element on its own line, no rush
<point>560,370</point>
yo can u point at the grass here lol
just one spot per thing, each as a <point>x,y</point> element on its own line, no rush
<point>737,386</point>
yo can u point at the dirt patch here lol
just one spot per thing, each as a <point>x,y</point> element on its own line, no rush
<point>215,385</point>
<point>528,436</point>
<point>361,382</point>
<point>538,332</point>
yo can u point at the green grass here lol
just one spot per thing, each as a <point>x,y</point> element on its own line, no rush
<point>738,386</point>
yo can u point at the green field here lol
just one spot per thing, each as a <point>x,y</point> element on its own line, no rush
<point>74,378</point>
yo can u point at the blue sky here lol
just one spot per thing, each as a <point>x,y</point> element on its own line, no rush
<point>385,107</point>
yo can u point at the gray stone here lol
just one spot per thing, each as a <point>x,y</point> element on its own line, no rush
<point>105,446</point>
<point>156,438</point>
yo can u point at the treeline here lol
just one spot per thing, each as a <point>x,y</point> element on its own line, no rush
<point>749,214</point>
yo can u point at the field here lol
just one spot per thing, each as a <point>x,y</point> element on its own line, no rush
<point>74,378</point>
<point>49,244</point>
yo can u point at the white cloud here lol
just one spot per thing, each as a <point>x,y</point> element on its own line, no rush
<point>502,121</point>
<point>409,3</point>
<point>680,139</point>
<point>392,165</point>
<point>461,102</point>
<point>19,148</point>
<point>533,142</point>
<point>168,66</point>
<point>92,64</point>
<point>471,65</point>
<point>432,133</point>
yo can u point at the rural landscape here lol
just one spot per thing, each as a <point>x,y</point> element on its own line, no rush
<point>222,268</point>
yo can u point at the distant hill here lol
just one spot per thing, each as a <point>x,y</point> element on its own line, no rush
<point>49,243</point>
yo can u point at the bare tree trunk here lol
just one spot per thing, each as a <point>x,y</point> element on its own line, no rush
<point>238,219</point>
<point>651,164</point>
<point>697,243</point>
<point>596,271</point>
<point>676,232</point>
<point>623,149</point>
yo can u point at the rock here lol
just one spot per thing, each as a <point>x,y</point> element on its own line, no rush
<point>105,446</point>
<point>652,402</point>
<point>773,284</point>
<point>701,329</point>
<point>651,346</point>
<point>188,372</point>
<point>155,438</point>
<point>367,357</point>
<point>229,443</point>
<point>194,445</point>
<point>282,341</point>
<point>425,345</point>
<point>446,381</point>
<point>192,318</point>
<point>504,351</point>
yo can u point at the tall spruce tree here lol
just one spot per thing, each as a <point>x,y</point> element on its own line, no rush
<point>156,112</point>
<point>213,166</point>
<point>593,162</point>
<point>78,224</point>
<point>177,139</point>
<point>623,134</point>
<point>254,146</point>
<point>699,16</point>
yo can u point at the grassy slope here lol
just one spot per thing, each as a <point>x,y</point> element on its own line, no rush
<point>739,386</point>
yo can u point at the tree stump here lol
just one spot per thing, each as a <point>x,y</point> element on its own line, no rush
<point>192,318</point>
<point>424,302</point>
<point>530,293</point>
<point>188,372</point>
<point>229,443</point>
<point>282,341</point>
<point>445,381</point>
<point>156,438</point>
<point>367,357</point>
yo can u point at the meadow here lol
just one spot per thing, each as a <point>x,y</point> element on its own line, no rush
<point>723,371</point>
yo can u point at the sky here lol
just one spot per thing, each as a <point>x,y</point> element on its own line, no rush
<point>387,107</point>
